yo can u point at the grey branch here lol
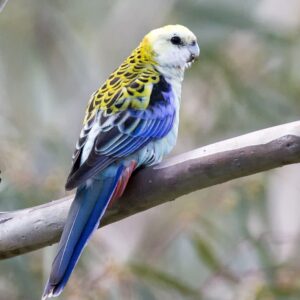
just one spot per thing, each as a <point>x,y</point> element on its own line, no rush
<point>30,229</point>
<point>2,4</point>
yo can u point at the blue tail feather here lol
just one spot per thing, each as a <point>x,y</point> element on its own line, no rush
<point>85,213</point>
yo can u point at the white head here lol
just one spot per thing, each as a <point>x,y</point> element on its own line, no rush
<point>172,46</point>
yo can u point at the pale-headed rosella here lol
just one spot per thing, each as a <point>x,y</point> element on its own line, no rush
<point>131,121</point>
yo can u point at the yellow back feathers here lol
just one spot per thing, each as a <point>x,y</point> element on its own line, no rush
<point>130,84</point>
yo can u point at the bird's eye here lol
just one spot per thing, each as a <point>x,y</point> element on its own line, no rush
<point>193,43</point>
<point>176,40</point>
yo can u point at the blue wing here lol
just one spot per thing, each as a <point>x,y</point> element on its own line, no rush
<point>123,133</point>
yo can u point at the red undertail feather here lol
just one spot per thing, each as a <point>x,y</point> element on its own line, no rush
<point>122,183</point>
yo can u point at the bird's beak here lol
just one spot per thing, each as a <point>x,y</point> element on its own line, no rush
<point>194,52</point>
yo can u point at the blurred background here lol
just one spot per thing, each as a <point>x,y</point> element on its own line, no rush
<point>235,241</point>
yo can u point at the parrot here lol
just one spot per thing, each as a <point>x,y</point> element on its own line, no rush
<point>130,122</point>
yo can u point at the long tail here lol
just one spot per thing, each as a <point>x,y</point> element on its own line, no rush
<point>84,217</point>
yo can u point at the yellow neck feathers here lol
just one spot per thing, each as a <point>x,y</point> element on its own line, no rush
<point>145,52</point>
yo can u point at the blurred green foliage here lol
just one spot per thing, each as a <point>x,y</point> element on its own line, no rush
<point>215,244</point>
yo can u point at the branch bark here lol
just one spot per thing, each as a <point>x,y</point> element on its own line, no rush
<point>2,4</point>
<point>30,229</point>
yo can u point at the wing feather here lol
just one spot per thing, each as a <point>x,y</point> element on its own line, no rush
<point>124,132</point>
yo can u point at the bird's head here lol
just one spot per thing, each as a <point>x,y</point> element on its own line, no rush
<point>171,46</point>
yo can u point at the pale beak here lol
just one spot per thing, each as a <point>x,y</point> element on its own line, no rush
<point>195,52</point>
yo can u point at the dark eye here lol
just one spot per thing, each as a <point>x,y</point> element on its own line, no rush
<point>176,40</point>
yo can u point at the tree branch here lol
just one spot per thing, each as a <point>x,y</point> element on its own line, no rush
<point>2,4</point>
<point>29,229</point>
